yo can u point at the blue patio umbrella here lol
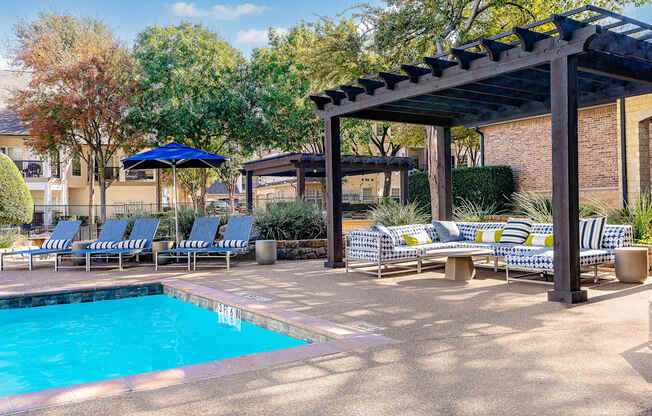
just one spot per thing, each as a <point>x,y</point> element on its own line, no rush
<point>173,155</point>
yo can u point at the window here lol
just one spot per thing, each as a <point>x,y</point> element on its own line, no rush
<point>395,193</point>
<point>367,194</point>
<point>76,166</point>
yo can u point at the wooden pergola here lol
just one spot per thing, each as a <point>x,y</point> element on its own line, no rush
<point>309,165</point>
<point>585,57</point>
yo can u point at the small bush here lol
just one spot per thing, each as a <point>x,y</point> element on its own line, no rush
<point>16,205</point>
<point>470,211</point>
<point>638,214</point>
<point>389,212</point>
<point>298,220</point>
<point>483,185</point>
<point>538,207</point>
<point>7,237</point>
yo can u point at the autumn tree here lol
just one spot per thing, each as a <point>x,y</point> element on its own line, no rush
<point>80,92</point>
<point>186,75</point>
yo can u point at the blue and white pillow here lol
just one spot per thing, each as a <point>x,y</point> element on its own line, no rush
<point>516,230</point>
<point>133,244</point>
<point>381,228</point>
<point>591,232</point>
<point>101,245</point>
<point>232,244</point>
<point>193,244</point>
<point>55,244</point>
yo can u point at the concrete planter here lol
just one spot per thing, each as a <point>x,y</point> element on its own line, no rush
<point>649,252</point>
<point>301,249</point>
<point>266,251</point>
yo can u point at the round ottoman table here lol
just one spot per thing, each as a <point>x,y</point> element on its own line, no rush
<point>266,251</point>
<point>631,264</point>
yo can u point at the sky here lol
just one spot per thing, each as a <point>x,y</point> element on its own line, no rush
<point>243,23</point>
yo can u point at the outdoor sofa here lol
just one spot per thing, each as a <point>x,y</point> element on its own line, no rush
<point>373,248</point>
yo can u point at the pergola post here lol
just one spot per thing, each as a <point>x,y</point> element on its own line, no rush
<point>250,191</point>
<point>565,183</point>
<point>301,182</point>
<point>404,187</point>
<point>333,192</point>
<point>444,173</point>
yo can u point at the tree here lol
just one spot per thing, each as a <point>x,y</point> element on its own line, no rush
<point>467,145</point>
<point>80,92</point>
<point>186,75</point>
<point>16,205</point>
<point>228,173</point>
<point>401,31</point>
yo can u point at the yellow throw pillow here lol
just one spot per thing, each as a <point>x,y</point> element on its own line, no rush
<point>417,239</point>
<point>539,240</point>
<point>488,236</point>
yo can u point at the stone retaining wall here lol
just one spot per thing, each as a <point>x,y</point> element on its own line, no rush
<point>301,249</point>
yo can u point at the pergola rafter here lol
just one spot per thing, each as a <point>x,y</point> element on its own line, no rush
<point>592,56</point>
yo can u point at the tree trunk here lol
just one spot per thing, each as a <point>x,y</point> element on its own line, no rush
<point>387,184</point>
<point>102,183</point>
<point>231,201</point>
<point>203,185</point>
<point>91,192</point>
<point>431,138</point>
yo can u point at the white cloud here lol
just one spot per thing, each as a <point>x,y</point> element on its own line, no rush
<point>219,11</point>
<point>256,36</point>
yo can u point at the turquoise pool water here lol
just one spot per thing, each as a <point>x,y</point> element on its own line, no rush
<point>61,345</point>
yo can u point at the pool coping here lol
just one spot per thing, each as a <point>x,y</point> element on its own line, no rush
<point>332,338</point>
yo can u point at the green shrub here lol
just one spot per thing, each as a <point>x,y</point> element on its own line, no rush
<point>389,212</point>
<point>471,211</point>
<point>482,185</point>
<point>7,237</point>
<point>16,205</point>
<point>538,207</point>
<point>300,220</point>
<point>638,214</point>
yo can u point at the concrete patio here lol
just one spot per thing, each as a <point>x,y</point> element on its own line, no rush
<point>464,348</point>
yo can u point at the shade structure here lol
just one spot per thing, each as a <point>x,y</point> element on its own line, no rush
<point>174,155</point>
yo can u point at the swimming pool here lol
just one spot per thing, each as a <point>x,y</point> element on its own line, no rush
<point>73,343</point>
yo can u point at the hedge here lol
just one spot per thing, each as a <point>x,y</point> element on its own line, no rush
<point>16,205</point>
<point>486,184</point>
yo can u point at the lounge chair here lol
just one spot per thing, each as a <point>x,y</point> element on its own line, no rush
<point>112,233</point>
<point>201,236</point>
<point>235,242</point>
<point>139,242</point>
<point>59,241</point>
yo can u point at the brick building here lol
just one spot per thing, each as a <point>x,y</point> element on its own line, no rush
<point>525,145</point>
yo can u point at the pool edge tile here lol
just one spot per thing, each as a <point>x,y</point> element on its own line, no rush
<point>40,399</point>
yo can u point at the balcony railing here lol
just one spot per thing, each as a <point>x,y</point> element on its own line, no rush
<point>111,173</point>
<point>139,175</point>
<point>31,168</point>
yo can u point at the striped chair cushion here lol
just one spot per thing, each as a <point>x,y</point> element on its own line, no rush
<point>232,244</point>
<point>135,244</point>
<point>193,244</point>
<point>516,230</point>
<point>591,232</point>
<point>101,245</point>
<point>55,244</point>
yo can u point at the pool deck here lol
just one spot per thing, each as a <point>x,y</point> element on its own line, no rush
<point>474,347</point>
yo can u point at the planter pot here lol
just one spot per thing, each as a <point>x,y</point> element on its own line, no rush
<point>649,252</point>
<point>79,245</point>
<point>160,246</point>
<point>266,251</point>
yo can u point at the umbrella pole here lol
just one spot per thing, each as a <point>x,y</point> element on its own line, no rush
<point>176,208</point>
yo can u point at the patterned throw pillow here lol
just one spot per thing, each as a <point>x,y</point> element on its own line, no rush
<point>101,245</point>
<point>55,244</point>
<point>134,244</point>
<point>416,239</point>
<point>193,244</point>
<point>488,236</point>
<point>540,240</point>
<point>232,244</point>
<point>381,228</point>
<point>591,232</point>
<point>516,230</point>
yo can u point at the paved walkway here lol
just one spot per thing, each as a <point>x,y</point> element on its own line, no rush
<point>465,348</point>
